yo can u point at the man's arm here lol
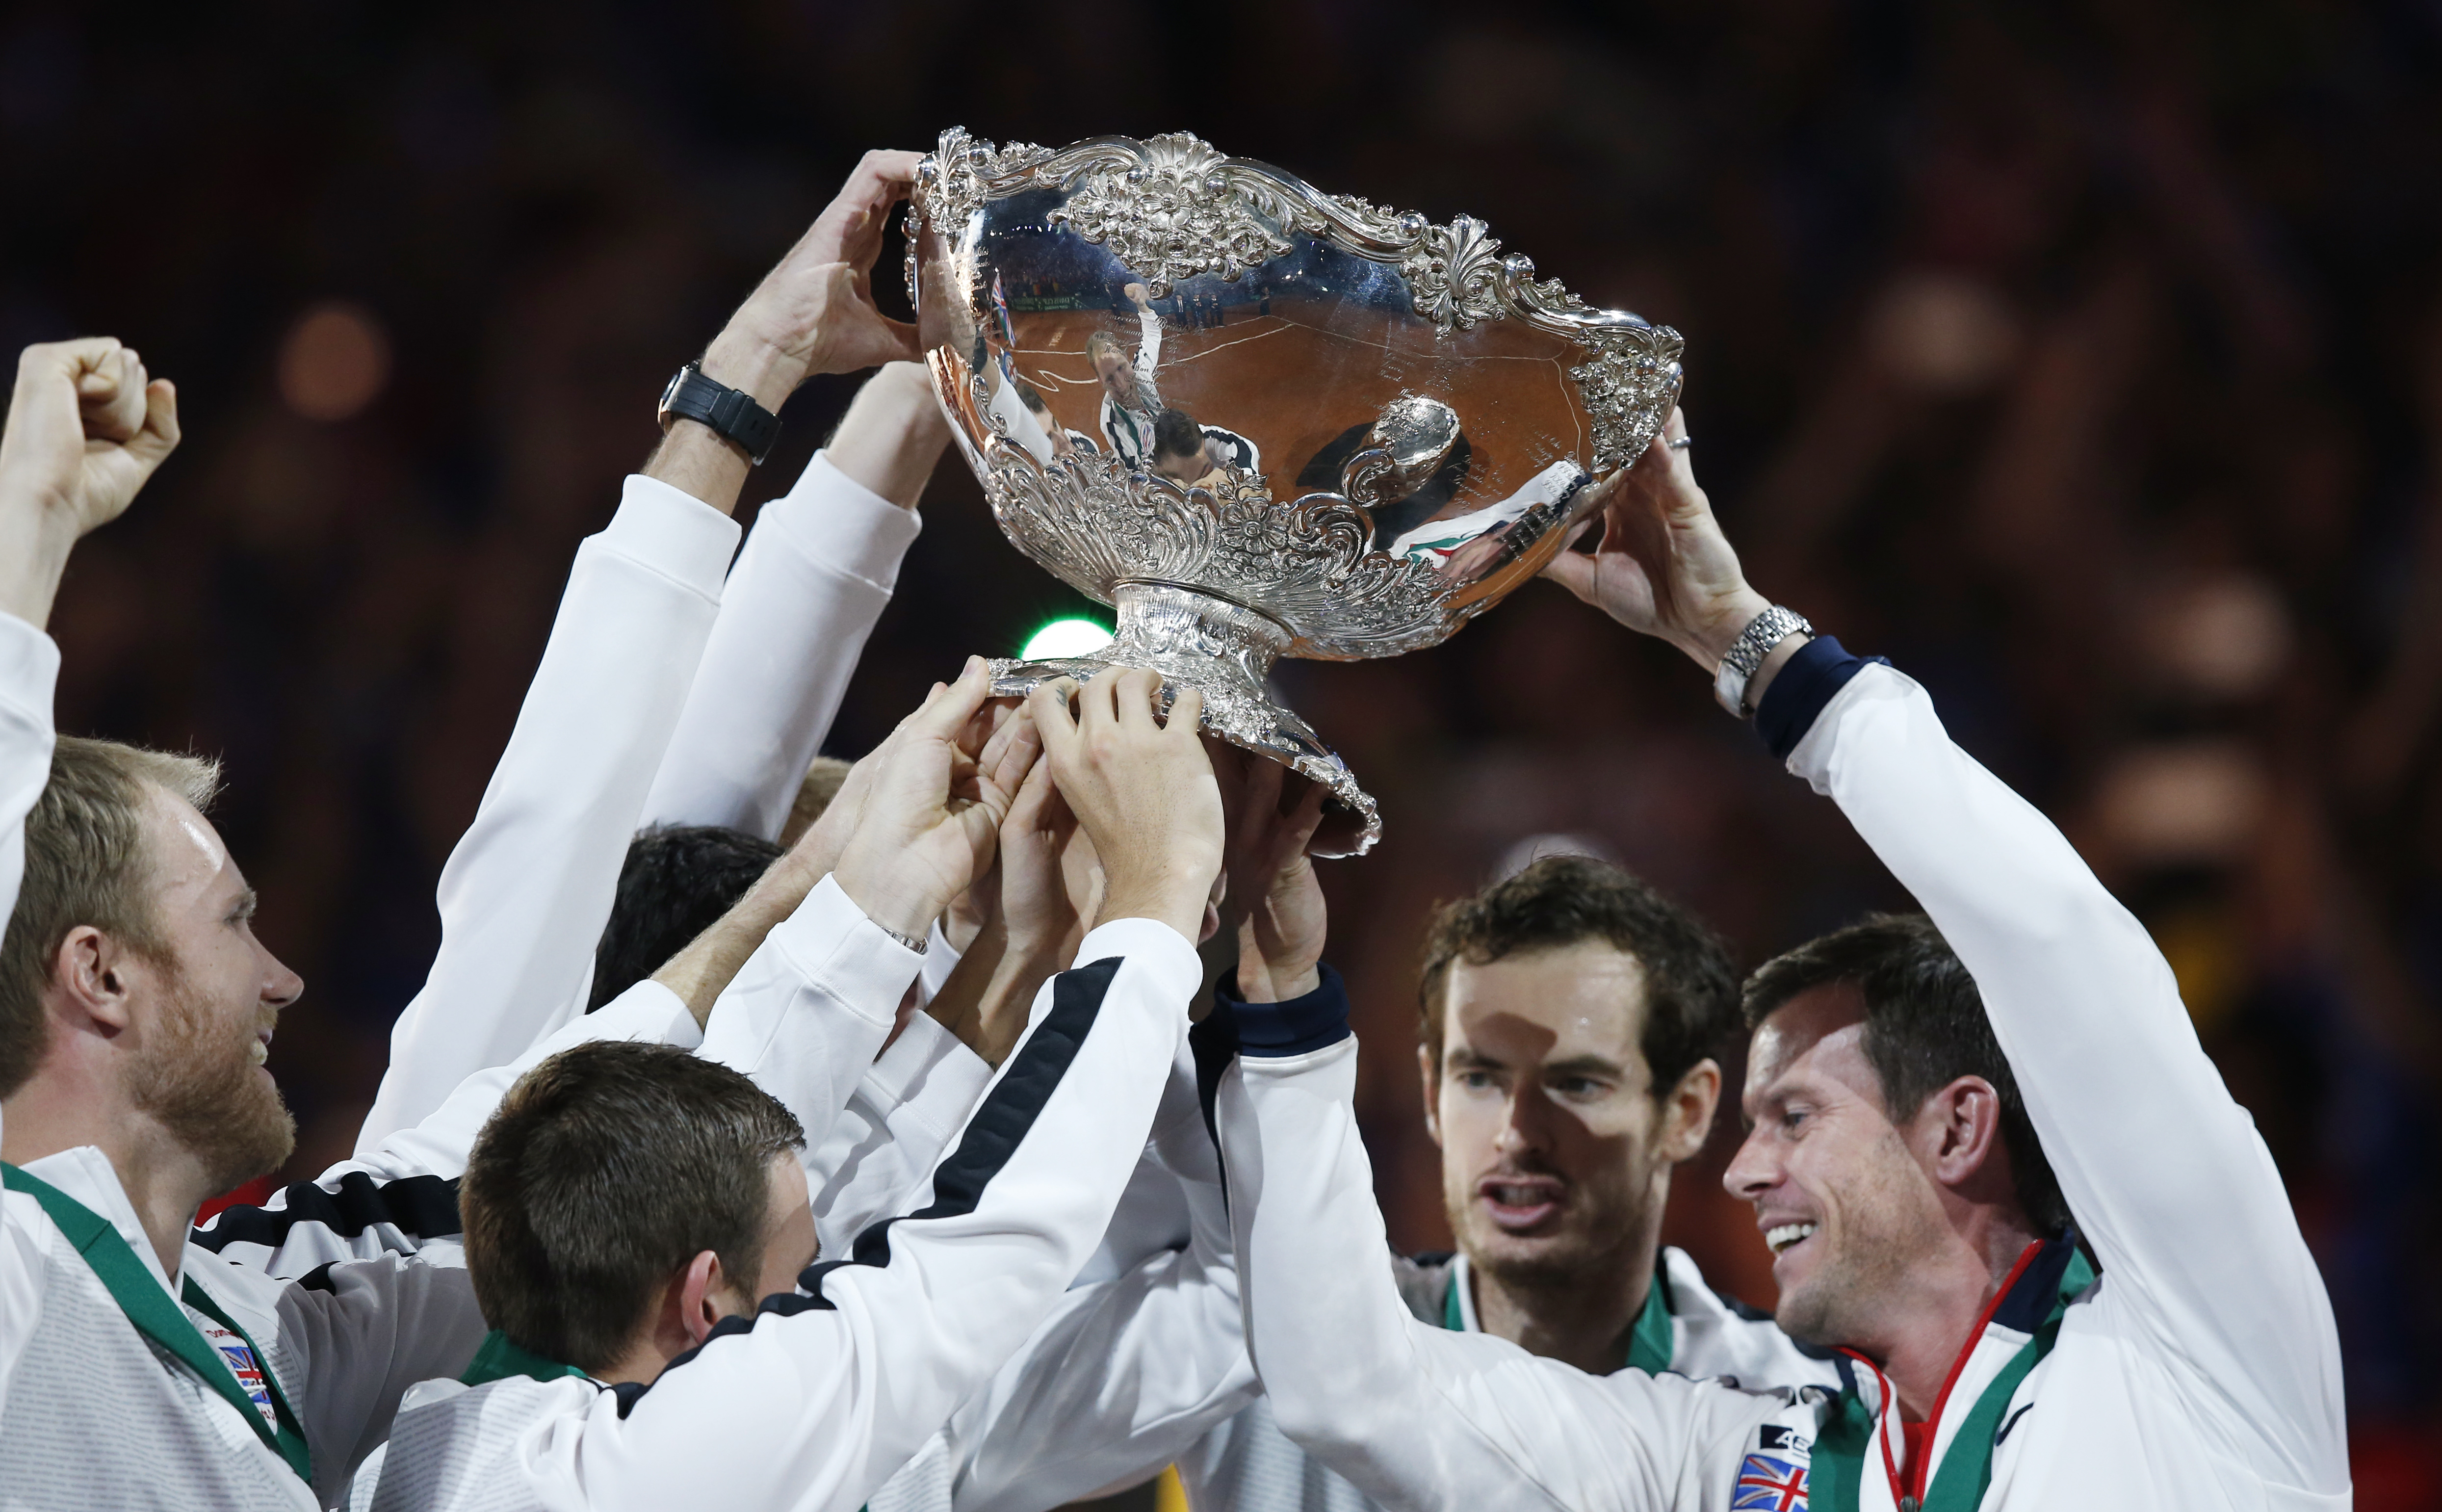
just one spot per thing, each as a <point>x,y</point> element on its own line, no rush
<point>899,1119</point>
<point>1126,1374</point>
<point>528,887</point>
<point>1148,347</point>
<point>527,890</point>
<point>2163,1172</point>
<point>817,572</point>
<point>85,428</point>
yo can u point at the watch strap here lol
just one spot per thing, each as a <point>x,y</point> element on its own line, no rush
<point>1747,654</point>
<point>731,414</point>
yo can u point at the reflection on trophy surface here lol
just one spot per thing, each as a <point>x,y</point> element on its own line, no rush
<point>1260,420</point>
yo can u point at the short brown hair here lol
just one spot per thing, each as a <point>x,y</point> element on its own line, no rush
<point>605,1170</point>
<point>1926,1027</point>
<point>86,863</point>
<point>1691,994</point>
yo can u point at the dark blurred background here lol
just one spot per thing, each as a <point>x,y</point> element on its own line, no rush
<point>2085,358</point>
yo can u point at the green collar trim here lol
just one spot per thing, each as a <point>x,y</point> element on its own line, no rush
<point>149,1309</point>
<point>1844,1446</point>
<point>499,1359</point>
<point>1650,1343</point>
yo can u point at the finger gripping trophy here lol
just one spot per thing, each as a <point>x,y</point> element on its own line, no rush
<point>1259,420</point>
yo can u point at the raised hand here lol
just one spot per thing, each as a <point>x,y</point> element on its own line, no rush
<point>931,819</point>
<point>1143,791</point>
<point>1664,567</point>
<point>1274,901</point>
<point>814,311</point>
<point>1041,893</point>
<point>86,428</point>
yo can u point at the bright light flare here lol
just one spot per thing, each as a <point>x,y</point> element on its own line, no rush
<point>1072,637</point>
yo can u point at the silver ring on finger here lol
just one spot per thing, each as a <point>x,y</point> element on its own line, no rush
<point>1682,443</point>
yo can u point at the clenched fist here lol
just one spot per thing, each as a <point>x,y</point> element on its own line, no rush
<point>86,428</point>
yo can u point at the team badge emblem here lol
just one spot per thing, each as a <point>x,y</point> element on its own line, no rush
<point>1769,1483</point>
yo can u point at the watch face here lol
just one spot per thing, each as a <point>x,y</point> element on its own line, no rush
<point>671,391</point>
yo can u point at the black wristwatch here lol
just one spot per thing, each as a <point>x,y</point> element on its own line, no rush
<point>732,413</point>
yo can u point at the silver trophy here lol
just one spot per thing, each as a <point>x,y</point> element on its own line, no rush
<point>1260,420</point>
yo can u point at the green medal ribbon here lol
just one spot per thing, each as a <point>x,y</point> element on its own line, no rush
<point>1649,1344</point>
<point>1838,1472</point>
<point>155,1316</point>
<point>499,1359</point>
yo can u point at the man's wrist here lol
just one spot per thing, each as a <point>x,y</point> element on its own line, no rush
<point>1174,897</point>
<point>1259,981</point>
<point>897,908</point>
<point>1711,641</point>
<point>695,459</point>
<point>754,367</point>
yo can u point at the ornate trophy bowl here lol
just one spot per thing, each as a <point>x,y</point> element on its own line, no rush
<point>1259,420</point>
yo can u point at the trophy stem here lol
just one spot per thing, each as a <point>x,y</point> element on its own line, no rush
<point>1223,650</point>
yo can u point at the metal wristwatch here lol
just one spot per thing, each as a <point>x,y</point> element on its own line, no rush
<point>919,943</point>
<point>731,414</point>
<point>1747,653</point>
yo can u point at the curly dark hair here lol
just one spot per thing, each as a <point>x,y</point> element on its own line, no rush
<point>1691,993</point>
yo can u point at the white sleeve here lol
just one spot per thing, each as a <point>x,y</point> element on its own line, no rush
<point>807,1013</point>
<point>910,1100</point>
<point>1418,1416</point>
<point>820,1396</point>
<point>527,890</point>
<point>1126,1374</point>
<point>1149,352</point>
<point>402,1196</point>
<point>816,572</point>
<point>29,669</point>
<point>1020,422</point>
<point>2164,1172</point>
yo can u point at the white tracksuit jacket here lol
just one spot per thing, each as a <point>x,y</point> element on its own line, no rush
<point>818,1398</point>
<point>2201,1371</point>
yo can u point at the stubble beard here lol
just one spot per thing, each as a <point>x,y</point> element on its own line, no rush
<point>1586,1252</point>
<point>1854,1283</point>
<point>198,1081</point>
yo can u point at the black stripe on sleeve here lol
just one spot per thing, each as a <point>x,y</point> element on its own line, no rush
<point>991,1137</point>
<point>424,1207</point>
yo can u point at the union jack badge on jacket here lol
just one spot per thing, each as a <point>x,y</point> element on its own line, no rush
<point>1770,1483</point>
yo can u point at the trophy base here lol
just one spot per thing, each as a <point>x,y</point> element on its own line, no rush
<point>1222,651</point>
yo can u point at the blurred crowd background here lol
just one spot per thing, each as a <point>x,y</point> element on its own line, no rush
<point>2083,357</point>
